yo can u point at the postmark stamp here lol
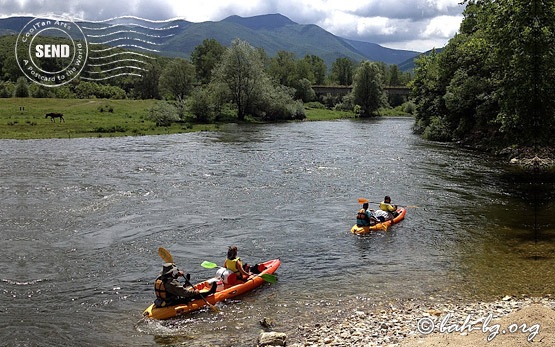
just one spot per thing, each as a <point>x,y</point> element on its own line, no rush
<point>51,52</point>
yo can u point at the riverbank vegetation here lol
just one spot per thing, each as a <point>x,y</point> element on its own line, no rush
<point>218,85</point>
<point>492,85</point>
<point>24,118</point>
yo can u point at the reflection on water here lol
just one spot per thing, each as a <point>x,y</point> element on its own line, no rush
<point>82,220</point>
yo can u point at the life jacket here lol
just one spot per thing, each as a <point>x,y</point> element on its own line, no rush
<point>232,265</point>
<point>161,293</point>
<point>362,218</point>
<point>387,207</point>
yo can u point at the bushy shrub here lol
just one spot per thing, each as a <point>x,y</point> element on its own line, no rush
<point>163,114</point>
<point>437,130</point>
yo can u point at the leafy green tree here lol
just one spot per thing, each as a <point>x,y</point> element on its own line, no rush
<point>205,57</point>
<point>177,78</point>
<point>304,91</point>
<point>342,71</point>
<point>241,70</point>
<point>368,88</point>
<point>318,68</point>
<point>394,76</point>
<point>6,89</point>
<point>201,105</point>
<point>282,68</point>
<point>21,88</point>
<point>147,86</point>
<point>522,37</point>
<point>494,79</point>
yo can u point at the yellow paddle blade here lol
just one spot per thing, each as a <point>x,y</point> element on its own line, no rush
<point>362,200</point>
<point>165,255</point>
<point>384,227</point>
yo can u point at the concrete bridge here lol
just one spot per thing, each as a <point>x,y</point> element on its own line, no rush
<point>343,90</point>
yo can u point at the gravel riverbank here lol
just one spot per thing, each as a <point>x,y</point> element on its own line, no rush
<point>508,321</point>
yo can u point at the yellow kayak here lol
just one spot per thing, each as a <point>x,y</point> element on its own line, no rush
<point>401,211</point>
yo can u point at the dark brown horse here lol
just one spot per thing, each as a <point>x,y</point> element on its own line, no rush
<point>53,116</point>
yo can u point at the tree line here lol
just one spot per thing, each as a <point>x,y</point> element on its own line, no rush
<point>219,82</point>
<point>493,83</point>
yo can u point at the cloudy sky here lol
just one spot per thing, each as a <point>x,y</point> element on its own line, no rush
<point>417,25</point>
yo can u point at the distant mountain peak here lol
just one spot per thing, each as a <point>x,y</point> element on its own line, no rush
<point>266,21</point>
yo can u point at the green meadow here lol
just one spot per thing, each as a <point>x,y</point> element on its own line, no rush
<point>24,118</point>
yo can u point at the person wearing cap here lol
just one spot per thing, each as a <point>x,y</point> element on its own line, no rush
<point>169,291</point>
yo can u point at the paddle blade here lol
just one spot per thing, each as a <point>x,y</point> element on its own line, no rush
<point>362,200</point>
<point>269,278</point>
<point>208,265</point>
<point>165,255</point>
<point>384,227</point>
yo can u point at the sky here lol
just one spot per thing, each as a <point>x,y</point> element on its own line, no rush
<point>416,25</point>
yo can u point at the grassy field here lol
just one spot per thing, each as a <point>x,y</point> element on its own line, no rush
<point>24,118</point>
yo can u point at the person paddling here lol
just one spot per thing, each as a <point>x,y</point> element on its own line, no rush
<point>365,217</point>
<point>169,291</point>
<point>388,207</point>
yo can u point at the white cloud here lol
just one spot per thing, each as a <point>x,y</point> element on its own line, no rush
<point>413,24</point>
<point>443,27</point>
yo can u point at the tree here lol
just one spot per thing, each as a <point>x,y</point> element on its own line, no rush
<point>318,68</point>
<point>282,68</point>
<point>147,87</point>
<point>242,72</point>
<point>177,78</point>
<point>205,57</point>
<point>201,105</point>
<point>21,88</point>
<point>342,71</point>
<point>493,80</point>
<point>368,88</point>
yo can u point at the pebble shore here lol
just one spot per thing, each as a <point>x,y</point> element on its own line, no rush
<point>389,324</point>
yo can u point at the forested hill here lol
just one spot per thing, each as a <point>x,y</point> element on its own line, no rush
<point>272,32</point>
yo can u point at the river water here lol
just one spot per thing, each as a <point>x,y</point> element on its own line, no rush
<point>82,220</point>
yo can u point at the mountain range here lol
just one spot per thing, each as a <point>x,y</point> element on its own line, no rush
<point>272,32</point>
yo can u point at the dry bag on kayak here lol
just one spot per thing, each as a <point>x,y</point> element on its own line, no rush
<point>227,276</point>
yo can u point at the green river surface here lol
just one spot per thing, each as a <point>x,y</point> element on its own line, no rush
<point>82,220</point>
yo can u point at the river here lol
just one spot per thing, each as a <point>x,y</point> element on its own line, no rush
<point>82,220</point>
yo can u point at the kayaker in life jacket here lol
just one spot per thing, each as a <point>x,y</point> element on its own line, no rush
<point>388,207</point>
<point>169,291</point>
<point>235,265</point>
<point>364,217</point>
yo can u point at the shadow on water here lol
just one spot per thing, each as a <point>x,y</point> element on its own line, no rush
<point>516,254</point>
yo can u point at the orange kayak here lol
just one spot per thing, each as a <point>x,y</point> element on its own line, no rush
<point>223,292</point>
<point>401,211</point>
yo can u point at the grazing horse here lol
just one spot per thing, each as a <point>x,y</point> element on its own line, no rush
<point>55,115</point>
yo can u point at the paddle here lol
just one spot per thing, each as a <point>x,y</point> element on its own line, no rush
<point>266,277</point>
<point>167,257</point>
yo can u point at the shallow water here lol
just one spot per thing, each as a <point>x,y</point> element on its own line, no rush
<point>82,220</point>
